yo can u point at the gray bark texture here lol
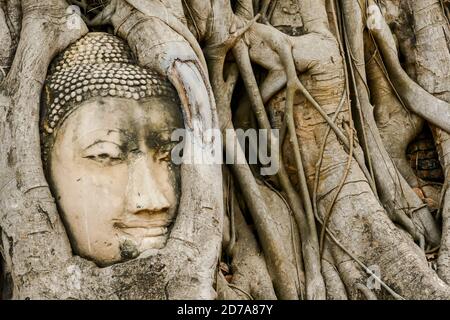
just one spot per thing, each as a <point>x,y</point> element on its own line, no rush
<point>350,84</point>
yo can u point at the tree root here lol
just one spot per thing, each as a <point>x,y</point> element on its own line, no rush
<point>280,268</point>
<point>431,61</point>
<point>398,127</point>
<point>314,283</point>
<point>30,196</point>
<point>415,97</point>
<point>396,195</point>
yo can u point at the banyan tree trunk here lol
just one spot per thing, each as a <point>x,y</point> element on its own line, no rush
<point>358,220</point>
<point>432,71</point>
<point>352,200</point>
<point>422,32</point>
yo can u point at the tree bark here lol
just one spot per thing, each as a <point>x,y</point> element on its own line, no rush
<point>329,72</point>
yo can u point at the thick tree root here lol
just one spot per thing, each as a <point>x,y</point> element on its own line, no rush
<point>400,201</point>
<point>431,60</point>
<point>428,63</point>
<point>281,269</point>
<point>28,215</point>
<point>305,219</point>
<point>415,97</point>
<point>398,127</point>
<point>249,271</point>
<point>361,223</point>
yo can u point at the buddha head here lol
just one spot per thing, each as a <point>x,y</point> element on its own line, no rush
<point>106,126</point>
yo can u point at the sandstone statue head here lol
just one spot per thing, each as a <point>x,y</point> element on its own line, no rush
<point>106,128</point>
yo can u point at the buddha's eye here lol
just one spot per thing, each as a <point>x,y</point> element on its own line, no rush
<point>106,153</point>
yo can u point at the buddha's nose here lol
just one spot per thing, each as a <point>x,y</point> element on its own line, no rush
<point>145,191</point>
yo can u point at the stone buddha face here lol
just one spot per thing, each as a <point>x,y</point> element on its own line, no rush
<point>113,179</point>
<point>110,171</point>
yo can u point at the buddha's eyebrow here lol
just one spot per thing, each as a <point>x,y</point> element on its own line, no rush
<point>106,137</point>
<point>119,131</point>
<point>102,141</point>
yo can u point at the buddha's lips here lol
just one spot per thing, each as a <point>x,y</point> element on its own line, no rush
<point>145,232</point>
<point>144,228</point>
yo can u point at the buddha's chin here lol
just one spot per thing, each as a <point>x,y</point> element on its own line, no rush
<point>129,248</point>
<point>134,247</point>
<point>153,243</point>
